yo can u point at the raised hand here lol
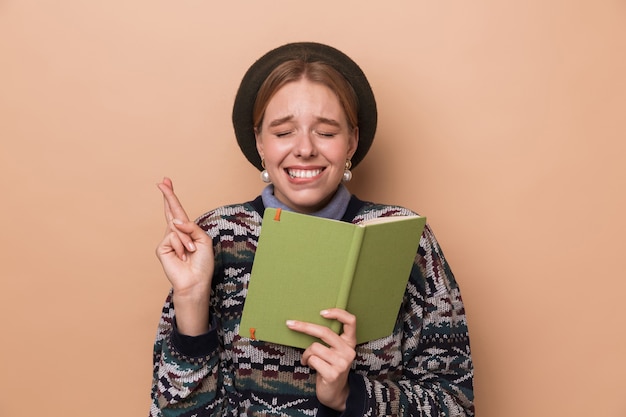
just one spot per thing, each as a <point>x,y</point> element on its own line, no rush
<point>332,362</point>
<point>186,254</point>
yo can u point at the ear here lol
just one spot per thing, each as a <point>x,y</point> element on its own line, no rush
<point>259,142</point>
<point>353,142</point>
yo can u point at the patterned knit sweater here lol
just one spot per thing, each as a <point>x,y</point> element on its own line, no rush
<point>423,369</point>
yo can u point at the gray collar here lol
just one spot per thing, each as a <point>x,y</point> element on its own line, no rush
<point>333,210</point>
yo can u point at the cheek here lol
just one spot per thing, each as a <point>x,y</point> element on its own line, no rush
<point>274,152</point>
<point>337,154</point>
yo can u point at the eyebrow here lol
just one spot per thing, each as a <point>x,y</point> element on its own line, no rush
<point>278,122</point>
<point>327,121</point>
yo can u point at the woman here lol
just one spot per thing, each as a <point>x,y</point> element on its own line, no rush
<point>304,114</point>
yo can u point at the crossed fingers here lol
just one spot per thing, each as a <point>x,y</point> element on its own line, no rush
<point>175,216</point>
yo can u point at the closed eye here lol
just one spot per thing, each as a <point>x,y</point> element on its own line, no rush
<point>282,134</point>
<point>327,128</point>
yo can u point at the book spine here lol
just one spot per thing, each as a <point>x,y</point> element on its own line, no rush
<point>350,268</point>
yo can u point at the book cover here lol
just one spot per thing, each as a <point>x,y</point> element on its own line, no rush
<point>304,264</point>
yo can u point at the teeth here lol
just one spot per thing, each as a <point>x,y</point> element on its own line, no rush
<point>304,173</point>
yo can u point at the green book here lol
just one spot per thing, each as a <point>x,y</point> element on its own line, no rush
<point>305,264</point>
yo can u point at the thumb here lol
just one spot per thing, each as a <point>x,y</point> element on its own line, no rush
<point>190,229</point>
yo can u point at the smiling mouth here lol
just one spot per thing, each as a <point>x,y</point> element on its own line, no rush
<point>303,173</point>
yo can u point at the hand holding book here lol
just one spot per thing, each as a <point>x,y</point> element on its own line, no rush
<point>333,359</point>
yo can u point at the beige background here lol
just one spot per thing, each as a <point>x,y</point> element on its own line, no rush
<point>503,122</point>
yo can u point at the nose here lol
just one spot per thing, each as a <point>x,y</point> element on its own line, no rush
<point>304,145</point>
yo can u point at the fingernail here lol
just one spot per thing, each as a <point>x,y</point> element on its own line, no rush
<point>176,221</point>
<point>290,323</point>
<point>324,312</point>
<point>191,246</point>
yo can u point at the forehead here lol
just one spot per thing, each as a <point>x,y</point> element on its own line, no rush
<point>304,98</point>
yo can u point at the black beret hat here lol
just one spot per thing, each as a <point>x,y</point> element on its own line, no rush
<point>309,52</point>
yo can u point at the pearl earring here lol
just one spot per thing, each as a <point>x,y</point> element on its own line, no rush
<point>347,174</point>
<point>265,176</point>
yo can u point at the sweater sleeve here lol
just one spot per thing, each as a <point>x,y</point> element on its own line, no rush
<point>436,376</point>
<point>185,369</point>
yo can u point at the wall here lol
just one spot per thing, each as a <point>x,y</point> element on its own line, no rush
<point>500,121</point>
